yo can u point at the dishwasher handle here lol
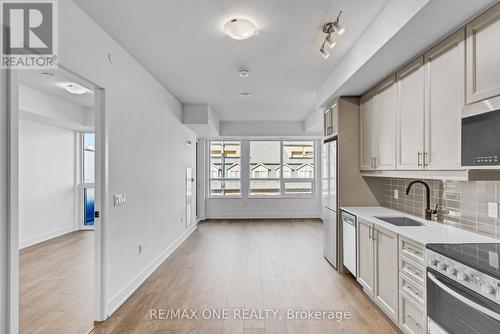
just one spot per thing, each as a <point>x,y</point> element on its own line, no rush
<point>349,219</point>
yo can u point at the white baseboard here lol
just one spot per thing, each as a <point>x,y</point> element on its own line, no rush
<point>44,237</point>
<point>117,300</point>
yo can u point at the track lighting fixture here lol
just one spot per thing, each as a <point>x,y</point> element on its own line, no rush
<point>332,31</point>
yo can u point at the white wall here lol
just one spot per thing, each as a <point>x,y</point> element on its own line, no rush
<point>147,153</point>
<point>47,175</point>
<point>245,207</point>
<point>3,203</point>
<point>40,106</point>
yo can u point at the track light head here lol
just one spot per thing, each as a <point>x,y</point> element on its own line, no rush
<point>324,53</point>
<point>330,41</point>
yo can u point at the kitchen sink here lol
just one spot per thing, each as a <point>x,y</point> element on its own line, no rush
<point>401,221</point>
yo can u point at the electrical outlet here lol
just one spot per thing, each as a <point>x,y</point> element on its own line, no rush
<point>396,194</point>
<point>492,209</point>
<point>140,247</point>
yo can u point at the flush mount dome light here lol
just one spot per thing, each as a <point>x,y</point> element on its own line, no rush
<point>240,29</point>
<point>245,94</point>
<point>75,88</point>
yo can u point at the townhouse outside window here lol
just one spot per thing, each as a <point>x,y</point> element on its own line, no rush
<point>281,168</point>
<point>225,169</point>
<point>265,163</point>
<point>299,156</point>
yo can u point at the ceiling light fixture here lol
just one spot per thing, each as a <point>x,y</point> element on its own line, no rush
<point>332,31</point>
<point>239,28</point>
<point>75,88</point>
<point>47,75</point>
<point>245,94</point>
<point>243,72</point>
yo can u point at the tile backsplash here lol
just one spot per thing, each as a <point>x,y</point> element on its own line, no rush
<point>462,204</point>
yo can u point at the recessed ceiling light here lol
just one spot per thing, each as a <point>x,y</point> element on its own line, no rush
<point>243,72</point>
<point>239,28</point>
<point>245,94</point>
<point>47,75</point>
<point>75,88</point>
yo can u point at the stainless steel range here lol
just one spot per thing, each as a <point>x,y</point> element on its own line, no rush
<point>463,288</point>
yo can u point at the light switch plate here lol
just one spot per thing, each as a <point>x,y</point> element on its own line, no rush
<point>396,194</point>
<point>492,209</point>
<point>119,199</point>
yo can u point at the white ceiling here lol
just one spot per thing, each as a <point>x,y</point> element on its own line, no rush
<point>182,44</point>
<point>54,86</point>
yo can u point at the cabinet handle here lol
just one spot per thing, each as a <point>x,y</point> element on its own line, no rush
<point>412,251</point>
<point>419,159</point>
<point>413,322</point>
<point>373,234</point>
<point>425,159</point>
<point>369,232</point>
<point>412,291</point>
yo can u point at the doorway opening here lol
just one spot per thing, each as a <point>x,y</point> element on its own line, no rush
<point>57,171</point>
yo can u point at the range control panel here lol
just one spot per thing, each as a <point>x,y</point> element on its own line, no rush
<point>478,282</point>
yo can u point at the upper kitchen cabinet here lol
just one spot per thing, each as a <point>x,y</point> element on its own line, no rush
<point>385,124</point>
<point>410,124</point>
<point>330,121</point>
<point>483,56</point>
<point>444,100</point>
<point>367,132</point>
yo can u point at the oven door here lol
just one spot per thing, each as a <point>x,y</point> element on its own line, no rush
<point>459,310</point>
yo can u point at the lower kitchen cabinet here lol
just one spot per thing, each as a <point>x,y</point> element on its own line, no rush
<point>412,319</point>
<point>386,271</point>
<point>365,259</point>
<point>378,266</point>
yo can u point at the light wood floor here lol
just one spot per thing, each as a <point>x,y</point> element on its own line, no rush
<point>248,264</point>
<point>56,285</point>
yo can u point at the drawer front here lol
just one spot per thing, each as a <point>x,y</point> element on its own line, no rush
<point>412,250</point>
<point>413,270</point>
<point>412,319</point>
<point>413,290</point>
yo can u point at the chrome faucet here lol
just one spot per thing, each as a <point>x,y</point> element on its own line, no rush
<point>428,211</point>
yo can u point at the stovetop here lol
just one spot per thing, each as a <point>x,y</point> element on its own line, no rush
<point>482,257</point>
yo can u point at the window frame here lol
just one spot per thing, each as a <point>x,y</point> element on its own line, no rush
<point>282,179</point>
<point>210,178</point>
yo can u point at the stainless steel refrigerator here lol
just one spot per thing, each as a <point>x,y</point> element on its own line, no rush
<point>329,199</point>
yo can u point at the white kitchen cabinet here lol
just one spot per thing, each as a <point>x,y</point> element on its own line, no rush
<point>367,131</point>
<point>330,121</point>
<point>385,124</point>
<point>444,100</point>
<point>483,56</point>
<point>410,129</point>
<point>365,255</point>
<point>386,271</point>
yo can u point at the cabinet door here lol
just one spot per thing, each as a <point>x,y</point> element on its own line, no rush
<point>365,256</point>
<point>386,272</point>
<point>385,124</point>
<point>411,116</point>
<point>483,56</point>
<point>367,132</point>
<point>444,87</point>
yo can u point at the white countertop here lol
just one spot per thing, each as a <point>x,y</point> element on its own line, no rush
<point>432,232</point>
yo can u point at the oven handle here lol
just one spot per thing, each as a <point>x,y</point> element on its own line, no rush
<point>467,301</point>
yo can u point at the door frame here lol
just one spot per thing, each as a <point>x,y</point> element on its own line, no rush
<point>101,129</point>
